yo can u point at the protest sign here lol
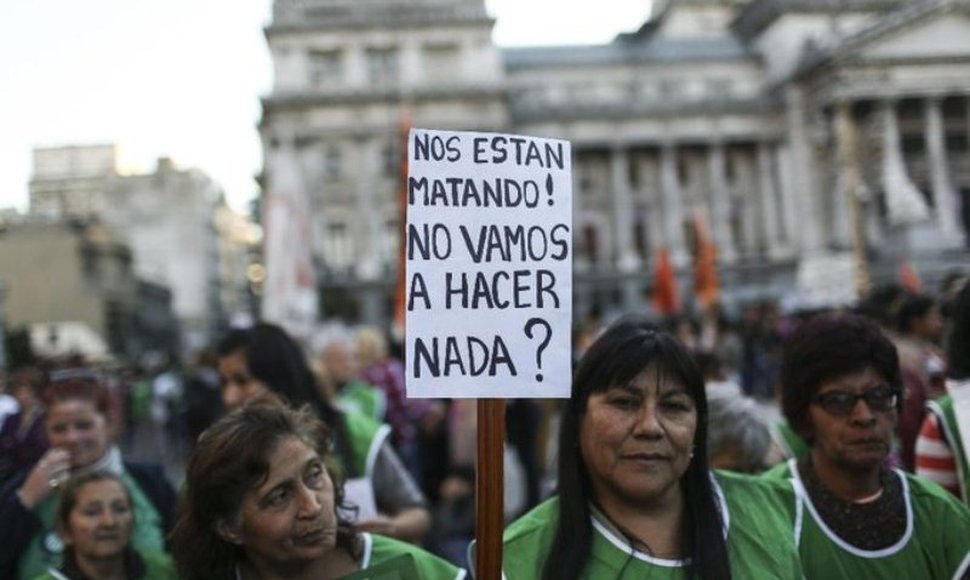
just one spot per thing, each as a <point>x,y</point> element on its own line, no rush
<point>488,293</point>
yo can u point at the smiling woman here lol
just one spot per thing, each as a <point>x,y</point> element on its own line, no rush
<point>77,426</point>
<point>260,502</point>
<point>95,520</point>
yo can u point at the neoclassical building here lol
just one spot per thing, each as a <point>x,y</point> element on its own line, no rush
<point>798,134</point>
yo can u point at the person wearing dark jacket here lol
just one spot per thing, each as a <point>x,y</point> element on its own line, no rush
<point>76,423</point>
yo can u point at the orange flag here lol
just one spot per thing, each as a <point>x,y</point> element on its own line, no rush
<point>706,287</point>
<point>664,297</point>
<point>909,278</point>
<point>404,128</point>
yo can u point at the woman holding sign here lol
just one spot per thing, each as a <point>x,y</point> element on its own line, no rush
<point>260,502</point>
<point>636,498</point>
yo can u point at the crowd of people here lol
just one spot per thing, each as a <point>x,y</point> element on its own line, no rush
<point>828,444</point>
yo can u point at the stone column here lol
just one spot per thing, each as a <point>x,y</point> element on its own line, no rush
<point>769,205</point>
<point>624,253</point>
<point>626,260</point>
<point>847,174</point>
<point>746,193</point>
<point>904,203</point>
<point>944,196</point>
<point>720,199</point>
<point>790,223</point>
<point>802,171</point>
<point>367,239</point>
<point>672,206</point>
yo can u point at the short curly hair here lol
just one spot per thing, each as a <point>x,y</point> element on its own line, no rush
<point>826,347</point>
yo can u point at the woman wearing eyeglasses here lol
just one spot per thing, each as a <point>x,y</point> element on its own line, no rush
<point>856,518</point>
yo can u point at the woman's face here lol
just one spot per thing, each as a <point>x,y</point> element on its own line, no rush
<point>77,426</point>
<point>290,518</point>
<point>636,440</point>
<point>861,437</point>
<point>238,384</point>
<point>100,523</point>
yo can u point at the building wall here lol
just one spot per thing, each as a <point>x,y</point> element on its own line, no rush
<point>710,111</point>
<point>68,272</point>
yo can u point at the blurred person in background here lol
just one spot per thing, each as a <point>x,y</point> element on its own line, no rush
<point>340,373</point>
<point>410,419</point>
<point>919,326</point>
<point>261,503</point>
<point>8,404</point>
<point>738,438</point>
<point>264,358</point>
<point>79,431</point>
<point>941,451</point>
<point>22,437</point>
<point>841,391</point>
<point>95,520</point>
<point>203,398</point>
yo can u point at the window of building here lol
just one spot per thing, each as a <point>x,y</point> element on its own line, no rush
<point>389,159</point>
<point>382,65</point>
<point>670,90</point>
<point>326,67</point>
<point>339,247</point>
<point>719,89</point>
<point>333,162</point>
<point>441,62</point>
<point>389,243</point>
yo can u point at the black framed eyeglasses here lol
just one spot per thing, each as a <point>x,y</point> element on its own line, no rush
<point>880,400</point>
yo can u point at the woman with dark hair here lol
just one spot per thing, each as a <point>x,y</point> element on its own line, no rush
<point>265,358</point>
<point>95,519</point>
<point>636,497</point>
<point>260,502</point>
<point>841,390</point>
<point>77,426</point>
<point>941,449</point>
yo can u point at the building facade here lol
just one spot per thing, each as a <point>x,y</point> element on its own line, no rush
<point>792,131</point>
<point>167,218</point>
<point>71,284</point>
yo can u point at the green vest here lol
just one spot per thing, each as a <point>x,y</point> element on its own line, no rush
<point>935,545</point>
<point>45,549</point>
<point>360,397</point>
<point>791,442</point>
<point>943,409</point>
<point>385,554</point>
<point>365,437</point>
<point>756,514</point>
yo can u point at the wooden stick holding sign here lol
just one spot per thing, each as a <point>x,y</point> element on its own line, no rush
<point>488,287</point>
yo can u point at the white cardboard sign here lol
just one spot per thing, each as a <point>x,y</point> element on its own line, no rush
<point>488,293</point>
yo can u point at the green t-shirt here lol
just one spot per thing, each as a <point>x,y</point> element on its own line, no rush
<point>790,441</point>
<point>945,414</point>
<point>757,515</point>
<point>365,437</point>
<point>385,554</point>
<point>934,546</point>
<point>363,398</point>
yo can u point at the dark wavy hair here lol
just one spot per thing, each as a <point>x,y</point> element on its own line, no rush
<point>277,360</point>
<point>824,348</point>
<point>622,352</point>
<point>231,458</point>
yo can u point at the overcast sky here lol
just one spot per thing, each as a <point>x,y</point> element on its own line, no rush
<point>182,78</point>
